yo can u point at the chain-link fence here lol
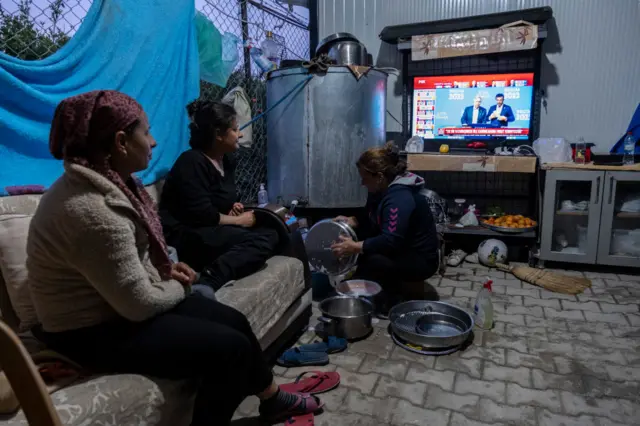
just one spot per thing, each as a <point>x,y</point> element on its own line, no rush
<point>34,29</point>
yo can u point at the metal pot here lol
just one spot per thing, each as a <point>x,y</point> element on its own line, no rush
<point>348,53</point>
<point>346,316</point>
<point>344,49</point>
<point>325,43</point>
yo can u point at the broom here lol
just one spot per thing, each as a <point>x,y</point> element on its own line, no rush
<point>548,280</point>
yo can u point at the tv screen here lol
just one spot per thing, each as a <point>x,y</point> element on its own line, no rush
<point>487,106</point>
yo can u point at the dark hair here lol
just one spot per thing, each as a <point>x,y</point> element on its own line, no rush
<point>499,95</point>
<point>384,160</point>
<point>208,120</point>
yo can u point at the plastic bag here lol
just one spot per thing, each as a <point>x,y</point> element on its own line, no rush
<point>631,204</point>
<point>469,218</point>
<point>625,242</point>
<point>239,100</point>
<point>218,54</point>
<point>552,150</point>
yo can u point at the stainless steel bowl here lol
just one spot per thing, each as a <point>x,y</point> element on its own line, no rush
<point>431,324</point>
<point>358,288</point>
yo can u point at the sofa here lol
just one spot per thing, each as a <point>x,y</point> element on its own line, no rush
<point>276,300</point>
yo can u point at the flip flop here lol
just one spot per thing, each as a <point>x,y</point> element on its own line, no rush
<point>333,345</point>
<point>294,357</point>
<point>306,404</point>
<point>305,420</point>
<point>317,382</point>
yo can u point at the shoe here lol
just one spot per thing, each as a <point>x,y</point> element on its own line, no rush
<point>472,258</point>
<point>304,404</point>
<point>456,257</point>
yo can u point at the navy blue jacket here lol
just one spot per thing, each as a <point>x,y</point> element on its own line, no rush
<point>467,116</point>
<point>401,220</point>
<point>506,111</point>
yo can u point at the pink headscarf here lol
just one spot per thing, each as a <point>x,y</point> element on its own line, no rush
<point>81,132</point>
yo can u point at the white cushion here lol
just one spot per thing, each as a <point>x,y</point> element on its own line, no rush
<point>14,230</point>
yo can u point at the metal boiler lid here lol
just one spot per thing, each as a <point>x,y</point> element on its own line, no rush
<point>318,243</point>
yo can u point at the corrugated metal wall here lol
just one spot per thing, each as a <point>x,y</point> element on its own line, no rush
<point>591,65</point>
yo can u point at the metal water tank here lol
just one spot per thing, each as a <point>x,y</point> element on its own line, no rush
<point>315,136</point>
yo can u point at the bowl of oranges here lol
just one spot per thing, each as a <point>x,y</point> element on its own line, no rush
<point>513,224</point>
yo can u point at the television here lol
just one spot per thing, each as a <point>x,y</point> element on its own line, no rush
<point>479,107</point>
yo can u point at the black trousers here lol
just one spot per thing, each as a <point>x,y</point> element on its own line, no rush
<point>391,273</point>
<point>199,339</point>
<point>224,253</point>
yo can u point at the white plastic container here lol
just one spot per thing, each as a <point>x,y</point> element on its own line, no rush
<point>415,144</point>
<point>483,308</point>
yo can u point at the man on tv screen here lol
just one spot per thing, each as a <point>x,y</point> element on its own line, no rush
<point>474,114</point>
<point>500,115</point>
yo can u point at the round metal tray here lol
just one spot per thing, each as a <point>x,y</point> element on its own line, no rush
<point>423,351</point>
<point>358,288</point>
<point>430,324</point>
<point>318,245</point>
<point>508,230</point>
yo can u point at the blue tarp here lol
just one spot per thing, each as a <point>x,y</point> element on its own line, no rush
<point>634,128</point>
<point>145,48</point>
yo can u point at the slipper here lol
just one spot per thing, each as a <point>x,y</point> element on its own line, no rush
<point>456,257</point>
<point>318,382</point>
<point>305,404</point>
<point>332,346</point>
<point>294,357</point>
<point>305,420</point>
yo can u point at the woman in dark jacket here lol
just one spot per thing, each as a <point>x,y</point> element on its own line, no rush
<point>400,242</point>
<point>200,214</point>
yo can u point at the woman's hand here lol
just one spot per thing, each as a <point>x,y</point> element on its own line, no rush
<point>182,272</point>
<point>351,221</point>
<point>246,219</point>
<point>346,247</point>
<point>237,209</point>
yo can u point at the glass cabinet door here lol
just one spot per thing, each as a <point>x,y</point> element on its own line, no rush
<point>620,222</point>
<point>571,213</point>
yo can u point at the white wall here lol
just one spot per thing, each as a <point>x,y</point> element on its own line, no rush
<point>591,64</point>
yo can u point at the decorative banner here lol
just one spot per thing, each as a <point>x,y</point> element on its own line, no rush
<point>515,36</point>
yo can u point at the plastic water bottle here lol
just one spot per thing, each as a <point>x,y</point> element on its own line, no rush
<point>263,196</point>
<point>260,59</point>
<point>272,50</point>
<point>303,226</point>
<point>483,308</point>
<point>629,150</point>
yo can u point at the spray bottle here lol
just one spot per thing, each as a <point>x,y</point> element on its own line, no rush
<point>483,308</point>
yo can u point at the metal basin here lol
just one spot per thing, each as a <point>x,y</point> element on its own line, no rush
<point>348,317</point>
<point>431,324</point>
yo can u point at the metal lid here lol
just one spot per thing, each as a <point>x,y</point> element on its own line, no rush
<point>318,243</point>
<point>323,46</point>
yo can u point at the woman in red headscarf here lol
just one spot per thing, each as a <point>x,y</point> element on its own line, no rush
<point>106,293</point>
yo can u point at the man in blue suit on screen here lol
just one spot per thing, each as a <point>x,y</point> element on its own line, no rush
<point>500,115</point>
<point>474,114</point>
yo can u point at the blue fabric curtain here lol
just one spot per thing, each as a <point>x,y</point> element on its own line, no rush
<point>144,48</point>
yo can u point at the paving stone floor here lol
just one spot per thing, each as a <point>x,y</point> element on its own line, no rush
<point>551,360</point>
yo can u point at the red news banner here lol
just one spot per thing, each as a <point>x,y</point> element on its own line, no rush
<point>471,81</point>
<point>488,131</point>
